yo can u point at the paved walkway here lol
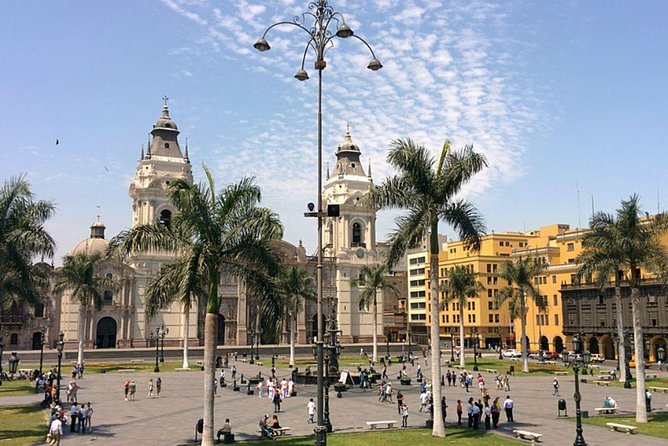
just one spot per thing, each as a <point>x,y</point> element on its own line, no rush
<point>170,420</point>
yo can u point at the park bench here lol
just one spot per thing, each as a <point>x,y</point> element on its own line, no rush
<point>125,370</point>
<point>651,375</point>
<point>136,361</point>
<point>606,377</point>
<point>372,424</point>
<point>561,373</point>
<point>602,383</point>
<point>244,360</point>
<point>280,431</point>
<point>491,371</point>
<point>628,429</point>
<point>658,389</point>
<point>606,410</point>
<point>259,363</point>
<point>460,367</point>
<point>526,435</point>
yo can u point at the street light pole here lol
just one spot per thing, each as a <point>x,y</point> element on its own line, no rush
<point>452,348</point>
<point>474,339</point>
<point>579,361</point>
<point>163,332</point>
<point>59,346</point>
<point>320,36</point>
<point>2,347</point>
<point>41,351</point>
<point>156,369</point>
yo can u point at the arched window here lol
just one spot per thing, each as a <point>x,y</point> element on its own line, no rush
<point>166,217</point>
<point>107,297</point>
<point>358,239</point>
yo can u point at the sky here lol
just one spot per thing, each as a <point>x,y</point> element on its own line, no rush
<point>567,99</point>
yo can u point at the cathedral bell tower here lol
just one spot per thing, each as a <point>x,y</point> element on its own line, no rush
<point>350,239</point>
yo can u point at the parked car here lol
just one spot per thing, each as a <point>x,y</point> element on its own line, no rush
<point>512,353</point>
<point>551,355</point>
<point>632,362</point>
<point>597,358</point>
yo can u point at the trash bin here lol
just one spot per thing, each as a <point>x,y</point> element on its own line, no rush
<point>511,370</point>
<point>561,406</point>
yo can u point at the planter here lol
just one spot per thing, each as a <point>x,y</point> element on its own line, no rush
<point>406,382</point>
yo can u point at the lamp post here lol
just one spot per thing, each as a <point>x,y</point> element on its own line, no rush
<point>41,350</point>
<point>258,338</point>
<point>474,340</point>
<point>162,332</point>
<point>319,37</point>
<point>627,358</point>
<point>59,346</point>
<point>331,362</point>
<point>252,345</point>
<point>452,348</point>
<point>579,361</point>
<point>2,347</point>
<point>156,369</point>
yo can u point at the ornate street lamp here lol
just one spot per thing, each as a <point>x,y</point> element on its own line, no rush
<point>579,361</point>
<point>41,350</point>
<point>474,340</point>
<point>320,36</point>
<point>627,358</point>
<point>661,354</point>
<point>163,331</point>
<point>2,347</point>
<point>252,345</point>
<point>156,369</point>
<point>59,347</point>
<point>331,363</point>
<point>258,338</point>
<point>452,348</point>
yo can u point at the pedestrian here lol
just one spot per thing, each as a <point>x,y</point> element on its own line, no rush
<point>459,412</point>
<point>476,415</point>
<point>133,389</point>
<point>555,386</point>
<point>215,387</point>
<point>89,416</point>
<point>469,413</point>
<point>404,415</point>
<point>400,401</point>
<point>234,372</point>
<point>126,388</point>
<point>74,417</point>
<point>277,402</point>
<point>444,407</point>
<point>388,393</point>
<point>496,413</point>
<point>423,401</point>
<point>56,431</point>
<point>488,416</point>
<point>506,383</point>
<point>310,409</point>
<point>151,388</point>
<point>158,386</point>
<point>82,418</point>
<point>508,407</point>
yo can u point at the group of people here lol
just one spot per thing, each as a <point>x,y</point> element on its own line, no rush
<point>80,417</point>
<point>268,426</point>
<point>276,390</point>
<point>153,389</point>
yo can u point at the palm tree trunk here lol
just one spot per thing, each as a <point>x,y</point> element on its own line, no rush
<point>525,347</point>
<point>186,333</point>
<point>641,409</point>
<point>293,326</point>
<point>438,429</point>
<point>82,331</point>
<point>210,341</point>
<point>621,350</point>
<point>462,359</point>
<point>375,335</point>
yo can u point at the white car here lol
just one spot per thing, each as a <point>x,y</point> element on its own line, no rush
<point>512,353</point>
<point>597,358</point>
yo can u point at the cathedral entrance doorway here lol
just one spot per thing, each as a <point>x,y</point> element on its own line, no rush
<point>106,333</point>
<point>221,330</point>
<point>314,327</point>
<point>37,340</point>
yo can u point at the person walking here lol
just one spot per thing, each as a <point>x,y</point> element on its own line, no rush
<point>476,415</point>
<point>89,416</point>
<point>388,393</point>
<point>423,401</point>
<point>508,407</point>
<point>310,409</point>
<point>488,416</point>
<point>444,406</point>
<point>400,401</point>
<point>126,388</point>
<point>277,402</point>
<point>151,388</point>
<point>404,415</point>
<point>496,413</point>
<point>555,386</point>
<point>74,417</point>
<point>469,413</point>
<point>56,431</point>
<point>133,389</point>
<point>158,386</point>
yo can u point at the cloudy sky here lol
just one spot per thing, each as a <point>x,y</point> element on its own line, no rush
<point>567,99</point>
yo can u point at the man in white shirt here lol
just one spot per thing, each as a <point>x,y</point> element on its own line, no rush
<point>310,407</point>
<point>74,416</point>
<point>423,401</point>
<point>508,407</point>
<point>56,431</point>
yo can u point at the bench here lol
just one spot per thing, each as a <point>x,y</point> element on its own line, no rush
<point>606,410</point>
<point>659,389</point>
<point>561,373</point>
<point>136,361</point>
<point>602,383</point>
<point>372,424</point>
<point>651,375</point>
<point>280,431</point>
<point>244,360</point>
<point>259,363</point>
<point>605,377</point>
<point>125,370</point>
<point>526,435</point>
<point>460,367</point>
<point>491,371</point>
<point>628,429</point>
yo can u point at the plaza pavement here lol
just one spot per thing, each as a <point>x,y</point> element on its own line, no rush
<point>170,420</point>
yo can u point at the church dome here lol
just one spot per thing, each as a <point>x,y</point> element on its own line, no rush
<point>165,121</point>
<point>348,145</point>
<point>95,244</point>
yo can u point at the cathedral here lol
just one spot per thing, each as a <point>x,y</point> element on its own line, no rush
<point>349,243</point>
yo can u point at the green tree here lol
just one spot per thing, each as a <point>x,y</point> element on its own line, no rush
<point>296,286</point>
<point>176,282</point>
<point>373,279</point>
<point>461,285</point>
<point>214,231</point>
<point>79,274</point>
<point>629,243</point>
<point>22,237</point>
<point>519,274</point>
<point>429,190</point>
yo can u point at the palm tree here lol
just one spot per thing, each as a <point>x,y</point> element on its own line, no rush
<point>214,231</point>
<point>175,282</point>
<point>635,244</point>
<point>373,279</point>
<point>79,274</point>
<point>296,286</point>
<point>601,266</point>
<point>22,236</point>
<point>519,274</point>
<point>428,189</point>
<point>462,284</point>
